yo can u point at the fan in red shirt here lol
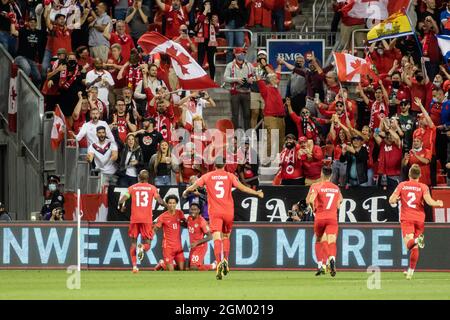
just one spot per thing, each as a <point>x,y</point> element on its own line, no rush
<point>176,15</point>
<point>290,171</point>
<point>141,221</point>
<point>325,198</point>
<point>171,222</point>
<point>121,37</point>
<point>411,195</point>
<point>199,235</point>
<point>219,184</point>
<point>421,156</point>
<point>379,108</point>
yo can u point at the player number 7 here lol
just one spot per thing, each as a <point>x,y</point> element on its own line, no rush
<point>330,201</point>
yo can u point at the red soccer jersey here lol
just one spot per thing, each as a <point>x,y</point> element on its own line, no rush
<point>411,195</point>
<point>171,225</point>
<point>327,200</point>
<point>142,199</point>
<point>219,184</point>
<point>197,228</point>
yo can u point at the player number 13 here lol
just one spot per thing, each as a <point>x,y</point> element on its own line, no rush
<point>141,199</point>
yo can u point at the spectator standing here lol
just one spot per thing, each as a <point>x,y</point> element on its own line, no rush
<point>407,123</point>
<point>120,9</point>
<point>185,40</point>
<point>120,121</point>
<point>235,15</point>
<point>131,162</point>
<point>311,156</point>
<point>104,152</point>
<point>121,37</point>
<point>248,169</point>
<point>430,47</point>
<point>176,15</point>
<point>79,117</point>
<point>102,79</point>
<point>278,14</point>
<point>89,129</point>
<point>444,18</point>
<point>207,28</point>
<point>356,157</point>
<point>6,38</point>
<point>260,15</point>
<point>148,86</point>
<point>421,156</point>
<point>161,165</point>
<point>347,26</point>
<point>138,19</point>
<point>239,76</point>
<point>149,139</point>
<point>52,195</point>
<point>194,104</point>
<point>98,23</point>
<point>4,215</point>
<point>290,171</point>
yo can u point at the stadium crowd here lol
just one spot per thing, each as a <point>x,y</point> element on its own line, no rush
<point>123,106</point>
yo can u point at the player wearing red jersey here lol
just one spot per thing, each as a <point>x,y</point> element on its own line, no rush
<point>219,184</point>
<point>325,198</point>
<point>141,221</point>
<point>171,222</point>
<point>411,195</point>
<point>199,235</point>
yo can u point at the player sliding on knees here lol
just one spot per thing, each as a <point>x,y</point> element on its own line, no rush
<point>199,235</point>
<point>325,198</point>
<point>411,195</point>
<point>219,184</point>
<point>141,221</point>
<point>171,221</point>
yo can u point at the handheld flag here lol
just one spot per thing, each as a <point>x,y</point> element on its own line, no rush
<point>444,45</point>
<point>395,26</point>
<point>58,129</point>
<point>376,9</point>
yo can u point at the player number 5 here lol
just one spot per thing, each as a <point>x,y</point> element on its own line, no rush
<point>220,189</point>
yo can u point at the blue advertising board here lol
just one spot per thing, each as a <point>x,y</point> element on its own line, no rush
<point>290,49</point>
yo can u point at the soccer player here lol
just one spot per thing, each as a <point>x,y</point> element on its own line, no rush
<point>219,184</point>
<point>141,221</point>
<point>325,198</point>
<point>411,194</point>
<point>199,235</point>
<point>171,222</point>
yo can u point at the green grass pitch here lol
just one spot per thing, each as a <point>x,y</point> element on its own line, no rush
<point>241,285</point>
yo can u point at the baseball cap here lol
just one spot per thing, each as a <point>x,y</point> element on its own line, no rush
<point>53,178</point>
<point>61,51</point>
<point>303,139</point>
<point>59,15</point>
<point>237,51</point>
<point>262,52</point>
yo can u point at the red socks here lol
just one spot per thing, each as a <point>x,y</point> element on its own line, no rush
<point>332,249</point>
<point>226,247</point>
<point>218,250</point>
<point>319,254</point>
<point>325,251</point>
<point>146,246</point>
<point>413,257</point>
<point>410,244</point>
<point>133,254</point>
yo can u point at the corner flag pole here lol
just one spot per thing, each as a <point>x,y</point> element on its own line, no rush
<point>78,229</point>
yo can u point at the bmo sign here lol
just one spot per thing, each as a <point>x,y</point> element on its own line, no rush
<point>289,50</point>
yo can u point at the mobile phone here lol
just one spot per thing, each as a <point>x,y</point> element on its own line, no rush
<point>316,98</point>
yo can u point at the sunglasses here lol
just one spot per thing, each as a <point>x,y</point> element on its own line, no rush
<point>305,113</point>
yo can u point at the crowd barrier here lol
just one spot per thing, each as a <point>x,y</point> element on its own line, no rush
<point>254,246</point>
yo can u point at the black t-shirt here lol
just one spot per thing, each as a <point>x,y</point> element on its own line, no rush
<point>30,44</point>
<point>163,169</point>
<point>149,142</point>
<point>5,23</point>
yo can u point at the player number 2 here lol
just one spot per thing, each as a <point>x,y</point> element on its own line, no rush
<point>220,189</point>
<point>411,198</point>
<point>141,199</point>
<point>330,201</point>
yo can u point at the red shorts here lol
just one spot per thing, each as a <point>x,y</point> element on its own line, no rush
<point>414,227</point>
<point>170,254</point>
<point>328,226</point>
<point>221,222</point>
<point>197,255</point>
<point>144,229</point>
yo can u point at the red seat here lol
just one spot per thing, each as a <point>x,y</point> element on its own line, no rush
<point>224,124</point>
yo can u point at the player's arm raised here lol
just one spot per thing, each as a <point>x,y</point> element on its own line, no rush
<point>431,202</point>
<point>190,189</point>
<point>240,186</point>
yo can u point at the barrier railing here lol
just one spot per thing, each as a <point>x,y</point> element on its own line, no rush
<point>5,74</point>
<point>317,11</point>
<point>353,39</point>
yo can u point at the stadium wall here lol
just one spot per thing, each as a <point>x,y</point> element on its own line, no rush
<point>255,246</point>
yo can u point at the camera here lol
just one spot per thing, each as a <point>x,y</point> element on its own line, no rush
<point>202,94</point>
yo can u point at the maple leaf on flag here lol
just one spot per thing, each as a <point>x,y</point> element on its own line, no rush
<point>356,64</point>
<point>181,59</point>
<point>171,51</point>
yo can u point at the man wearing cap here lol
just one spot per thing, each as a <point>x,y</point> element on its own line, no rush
<point>262,69</point>
<point>105,154</point>
<point>52,196</point>
<point>149,139</point>
<point>290,171</point>
<point>356,157</point>
<point>59,36</point>
<point>238,77</point>
<point>30,50</point>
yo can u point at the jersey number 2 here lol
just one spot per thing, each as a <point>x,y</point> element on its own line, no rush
<point>220,189</point>
<point>411,198</point>
<point>141,199</point>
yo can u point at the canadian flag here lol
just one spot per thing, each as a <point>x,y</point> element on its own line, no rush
<point>191,75</point>
<point>12,103</point>
<point>374,9</point>
<point>58,129</point>
<point>348,67</point>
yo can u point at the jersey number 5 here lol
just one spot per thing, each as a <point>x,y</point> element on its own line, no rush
<point>220,190</point>
<point>141,199</point>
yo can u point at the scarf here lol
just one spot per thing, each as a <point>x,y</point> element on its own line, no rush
<point>212,33</point>
<point>123,38</point>
<point>426,42</point>
<point>66,78</point>
<point>134,76</point>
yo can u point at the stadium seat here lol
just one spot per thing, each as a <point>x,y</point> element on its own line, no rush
<point>224,124</point>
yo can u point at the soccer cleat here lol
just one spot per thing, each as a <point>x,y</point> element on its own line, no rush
<point>225,267</point>
<point>140,252</point>
<point>409,274</point>
<point>159,266</point>
<point>219,271</point>
<point>135,269</point>
<point>320,271</point>
<point>332,267</point>
<point>421,241</point>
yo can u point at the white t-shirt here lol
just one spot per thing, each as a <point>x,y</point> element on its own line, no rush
<point>89,129</point>
<point>103,90</point>
<point>193,110</point>
<point>102,156</point>
<point>131,170</point>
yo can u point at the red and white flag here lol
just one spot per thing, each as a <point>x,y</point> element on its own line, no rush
<point>191,75</point>
<point>348,67</point>
<point>374,9</point>
<point>12,103</point>
<point>58,129</point>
